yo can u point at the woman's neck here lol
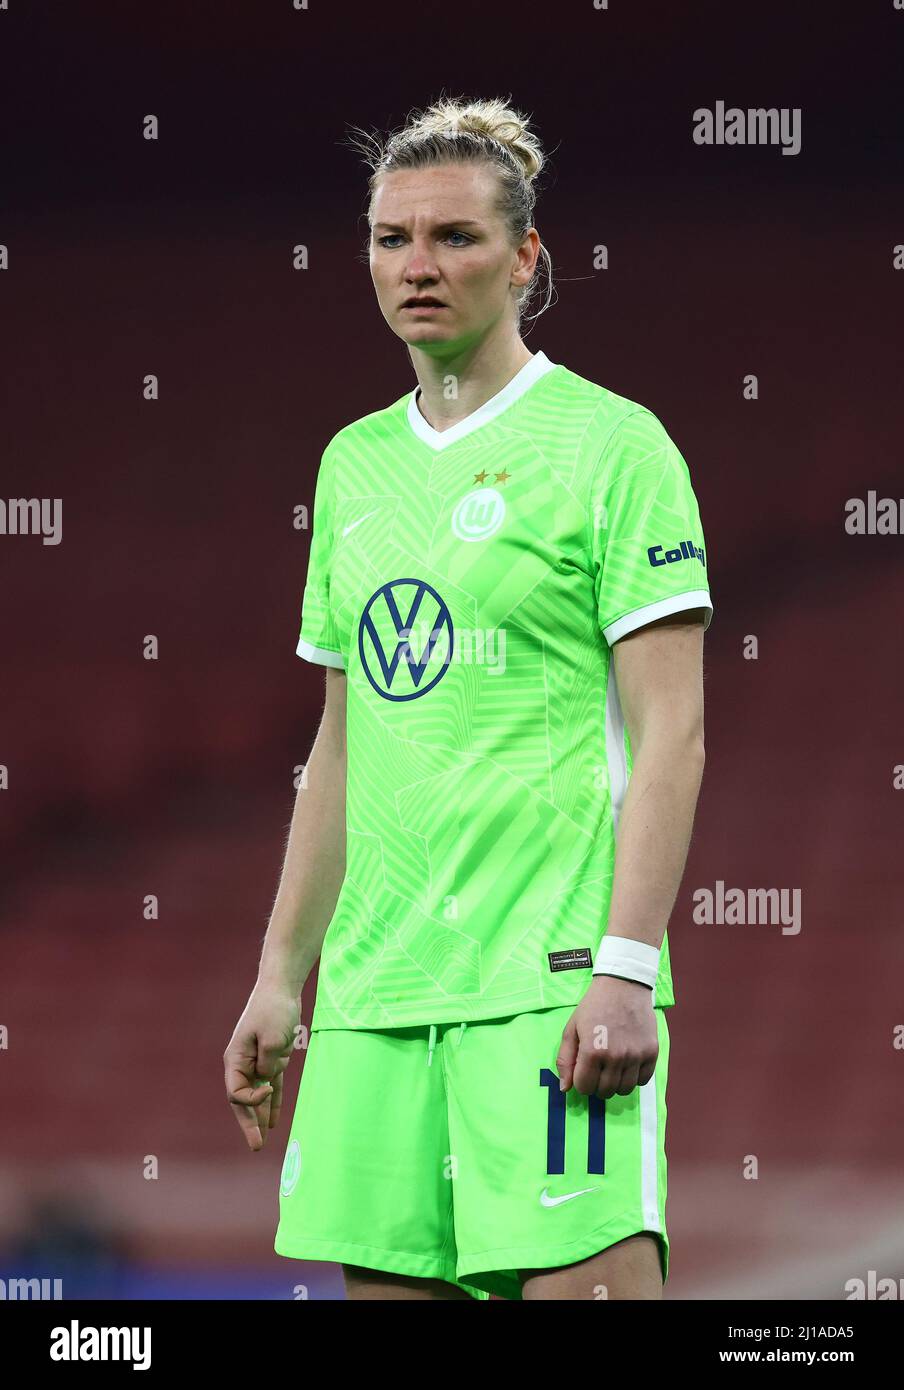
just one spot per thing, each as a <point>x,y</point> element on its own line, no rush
<point>453,388</point>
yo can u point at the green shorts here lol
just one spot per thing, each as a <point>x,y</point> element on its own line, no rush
<point>449,1152</point>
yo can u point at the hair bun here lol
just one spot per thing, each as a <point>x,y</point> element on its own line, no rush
<point>492,119</point>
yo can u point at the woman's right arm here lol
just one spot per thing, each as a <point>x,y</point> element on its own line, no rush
<point>314,864</point>
<point>312,874</point>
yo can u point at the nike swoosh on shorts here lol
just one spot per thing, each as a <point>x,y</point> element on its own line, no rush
<point>547,1201</point>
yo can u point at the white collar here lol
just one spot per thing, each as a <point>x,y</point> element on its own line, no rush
<point>538,366</point>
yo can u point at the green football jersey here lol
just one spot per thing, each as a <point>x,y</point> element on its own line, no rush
<point>471,583</point>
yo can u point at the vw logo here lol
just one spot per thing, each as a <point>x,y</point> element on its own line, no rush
<point>405,639</point>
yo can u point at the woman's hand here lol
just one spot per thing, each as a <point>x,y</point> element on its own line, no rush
<point>257,1055</point>
<point>611,1041</point>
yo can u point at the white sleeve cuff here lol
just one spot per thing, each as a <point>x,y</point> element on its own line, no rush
<point>676,603</point>
<point>321,655</point>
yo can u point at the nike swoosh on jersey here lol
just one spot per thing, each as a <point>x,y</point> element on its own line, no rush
<point>547,1201</point>
<point>346,529</point>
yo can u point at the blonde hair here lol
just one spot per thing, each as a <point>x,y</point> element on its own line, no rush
<point>456,130</point>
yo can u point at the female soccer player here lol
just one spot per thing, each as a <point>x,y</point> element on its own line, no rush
<point>507,587</point>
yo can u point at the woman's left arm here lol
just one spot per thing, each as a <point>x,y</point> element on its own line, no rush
<point>610,1044</point>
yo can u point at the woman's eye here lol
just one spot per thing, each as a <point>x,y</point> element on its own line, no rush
<point>395,236</point>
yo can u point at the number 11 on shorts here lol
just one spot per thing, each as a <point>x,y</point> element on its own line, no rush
<point>555,1128</point>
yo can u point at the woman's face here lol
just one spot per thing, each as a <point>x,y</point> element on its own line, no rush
<point>435,234</point>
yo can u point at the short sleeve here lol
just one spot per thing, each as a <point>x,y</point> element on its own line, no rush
<point>318,640</point>
<point>646,536</point>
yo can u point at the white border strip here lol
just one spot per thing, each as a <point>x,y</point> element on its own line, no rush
<point>649,1153</point>
<point>321,655</point>
<point>692,598</point>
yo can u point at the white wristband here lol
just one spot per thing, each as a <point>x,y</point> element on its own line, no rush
<point>632,960</point>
